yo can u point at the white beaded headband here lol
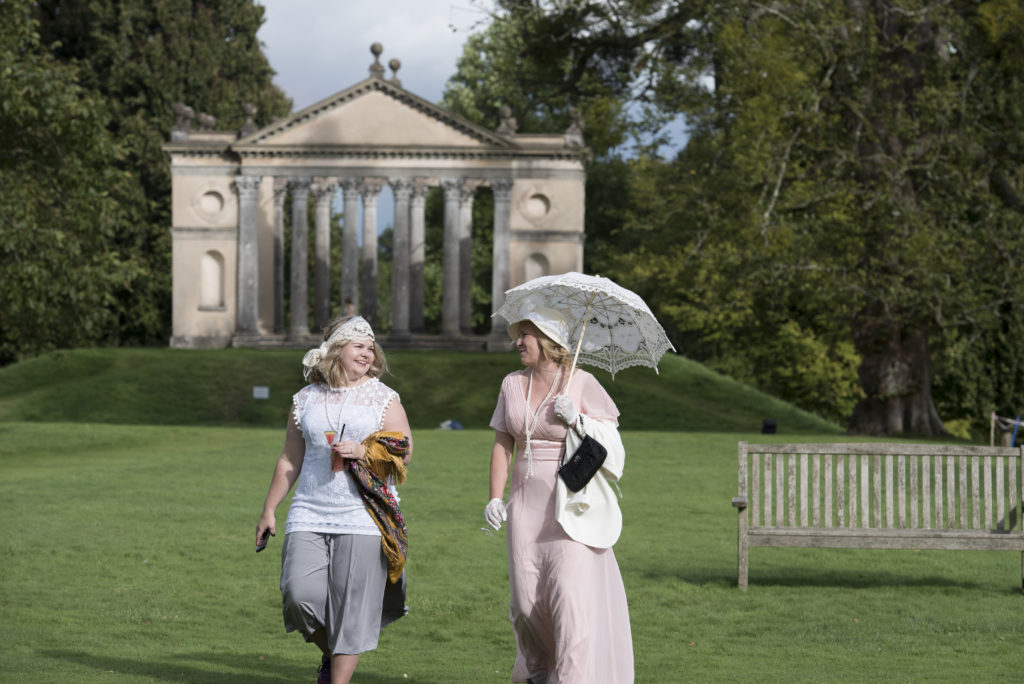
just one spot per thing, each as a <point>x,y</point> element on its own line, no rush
<point>356,328</point>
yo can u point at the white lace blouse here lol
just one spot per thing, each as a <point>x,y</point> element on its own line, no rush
<point>326,501</point>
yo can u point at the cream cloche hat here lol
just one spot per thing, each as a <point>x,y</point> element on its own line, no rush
<point>548,321</point>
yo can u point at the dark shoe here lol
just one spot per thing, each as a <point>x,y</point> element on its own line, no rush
<point>323,675</point>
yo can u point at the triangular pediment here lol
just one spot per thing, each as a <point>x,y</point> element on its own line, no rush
<point>374,113</point>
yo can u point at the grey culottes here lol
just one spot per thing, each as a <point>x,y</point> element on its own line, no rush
<point>334,581</point>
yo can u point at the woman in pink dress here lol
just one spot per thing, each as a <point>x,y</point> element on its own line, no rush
<point>568,603</point>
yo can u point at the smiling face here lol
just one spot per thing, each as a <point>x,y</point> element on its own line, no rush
<point>356,358</point>
<point>528,344</point>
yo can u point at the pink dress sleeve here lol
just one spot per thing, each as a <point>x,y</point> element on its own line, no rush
<point>499,420</point>
<point>592,399</point>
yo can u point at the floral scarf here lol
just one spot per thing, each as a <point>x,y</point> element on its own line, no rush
<point>385,452</point>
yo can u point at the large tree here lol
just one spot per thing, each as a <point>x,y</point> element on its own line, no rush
<point>850,190</point>
<point>140,57</point>
<point>871,117</point>
<point>62,201</point>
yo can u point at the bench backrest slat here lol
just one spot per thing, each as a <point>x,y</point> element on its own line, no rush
<point>803,490</point>
<point>865,508</point>
<point>1012,486</point>
<point>876,484</point>
<point>864,486</point>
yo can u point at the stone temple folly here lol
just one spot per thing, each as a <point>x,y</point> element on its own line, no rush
<point>229,196</point>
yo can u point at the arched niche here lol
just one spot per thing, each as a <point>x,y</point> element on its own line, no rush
<point>536,265</point>
<point>211,281</point>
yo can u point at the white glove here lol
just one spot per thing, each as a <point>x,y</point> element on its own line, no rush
<point>494,514</point>
<point>565,410</point>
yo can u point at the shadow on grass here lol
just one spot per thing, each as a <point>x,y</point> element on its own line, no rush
<point>249,669</point>
<point>853,579</point>
<point>857,580</point>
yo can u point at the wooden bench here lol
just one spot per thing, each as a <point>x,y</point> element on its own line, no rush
<point>879,496</point>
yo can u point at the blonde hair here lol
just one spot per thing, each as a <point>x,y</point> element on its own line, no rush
<point>329,370</point>
<point>553,351</point>
<point>549,349</point>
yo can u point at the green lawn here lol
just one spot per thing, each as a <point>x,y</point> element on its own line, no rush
<point>131,480</point>
<point>127,556</point>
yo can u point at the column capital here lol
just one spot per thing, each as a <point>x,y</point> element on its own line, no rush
<point>401,186</point>
<point>451,185</point>
<point>502,185</point>
<point>468,189</point>
<point>371,187</point>
<point>420,186</point>
<point>323,189</point>
<point>300,183</point>
<point>280,189</point>
<point>247,184</point>
<point>350,184</point>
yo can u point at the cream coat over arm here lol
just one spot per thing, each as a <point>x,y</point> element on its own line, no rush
<point>591,516</point>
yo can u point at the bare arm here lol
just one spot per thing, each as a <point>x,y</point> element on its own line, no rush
<point>289,465</point>
<point>501,459</point>
<point>395,420</point>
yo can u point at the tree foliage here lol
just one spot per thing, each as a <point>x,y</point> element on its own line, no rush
<point>843,226</point>
<point>497,69</point>
<point>122,63</point>
<point>62,201</point>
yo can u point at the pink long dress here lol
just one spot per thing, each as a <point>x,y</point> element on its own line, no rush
<point>568,603</point>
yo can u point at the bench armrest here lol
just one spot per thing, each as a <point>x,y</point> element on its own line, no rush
<point>739,502</point>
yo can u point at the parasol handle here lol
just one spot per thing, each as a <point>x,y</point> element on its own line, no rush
<point>579,342</point>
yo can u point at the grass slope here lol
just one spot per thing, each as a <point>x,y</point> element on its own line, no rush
<point>214,387</point>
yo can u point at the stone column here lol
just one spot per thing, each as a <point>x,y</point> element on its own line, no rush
<point>451,257</point>
<point>466,255</point>
<point>248,311</point>
<point>280,193</point>
<point>402,188</point>
<point>323,193</point>
<point>350,245</point>
<point>299,319</point>
<point>417,255</point>
<point>502,190</point>
<point>368,266</point>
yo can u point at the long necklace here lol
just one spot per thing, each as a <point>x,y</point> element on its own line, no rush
<point>536,417</point>
<point>332,433</point>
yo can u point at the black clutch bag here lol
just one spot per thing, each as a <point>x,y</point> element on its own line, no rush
<point>577,470</point>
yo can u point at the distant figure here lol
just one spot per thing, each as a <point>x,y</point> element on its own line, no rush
<point>350,308</point>
<point>347,443</point>
<point>568,602</point>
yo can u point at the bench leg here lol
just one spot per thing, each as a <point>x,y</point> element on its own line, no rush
<point>742,550</point>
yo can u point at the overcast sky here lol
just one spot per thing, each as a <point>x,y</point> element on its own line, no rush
<point>320,47</point>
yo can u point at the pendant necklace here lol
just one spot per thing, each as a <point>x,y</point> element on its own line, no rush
<point>331,434</point>
<point>536,417</point>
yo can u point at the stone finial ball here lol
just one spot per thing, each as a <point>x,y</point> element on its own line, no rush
<point>395,64</point>
<point>504,111</point>
<point>376,49</point>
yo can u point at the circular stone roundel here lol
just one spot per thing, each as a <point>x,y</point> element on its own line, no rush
<point>537,206</point>
<point>211,203</point>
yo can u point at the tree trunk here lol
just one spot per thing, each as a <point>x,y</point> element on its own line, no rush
<point>896,377</point>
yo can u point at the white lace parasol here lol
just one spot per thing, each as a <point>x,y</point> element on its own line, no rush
<point>618,329</point>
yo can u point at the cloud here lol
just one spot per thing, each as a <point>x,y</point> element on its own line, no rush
<point>320,47</point>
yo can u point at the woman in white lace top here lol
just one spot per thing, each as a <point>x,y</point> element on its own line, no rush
<point>333,569</point>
